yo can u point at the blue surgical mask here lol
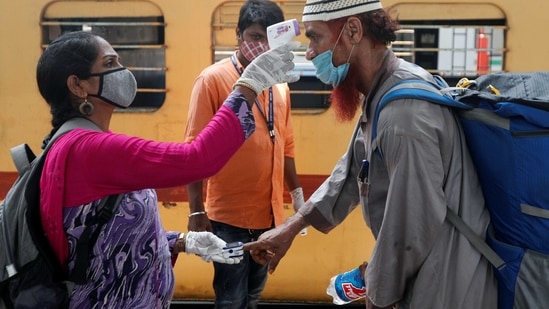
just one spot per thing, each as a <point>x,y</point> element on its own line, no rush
<point>325,69</point>
<point>327,72</point>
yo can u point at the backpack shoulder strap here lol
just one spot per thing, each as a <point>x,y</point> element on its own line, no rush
<point>474,239</point>
<point>105,211</point>
<point>72,124</point>
<point>22,156</point>
<point>416,89</point>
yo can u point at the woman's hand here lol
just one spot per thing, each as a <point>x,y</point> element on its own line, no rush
<point>271,67</point>
<point>211,248</point>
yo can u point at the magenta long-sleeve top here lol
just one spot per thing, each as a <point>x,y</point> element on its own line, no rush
<point>84,166</point>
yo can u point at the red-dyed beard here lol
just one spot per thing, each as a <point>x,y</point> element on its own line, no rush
<point>345,98</point>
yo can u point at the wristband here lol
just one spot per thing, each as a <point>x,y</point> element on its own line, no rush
<point>297,198</point>
<point>197,213</point>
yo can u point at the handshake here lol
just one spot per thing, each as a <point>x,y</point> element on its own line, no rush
<point>212,248</point>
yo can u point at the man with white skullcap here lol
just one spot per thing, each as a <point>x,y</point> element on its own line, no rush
<point>404,179</point>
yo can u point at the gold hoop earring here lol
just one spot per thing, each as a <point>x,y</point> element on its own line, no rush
<point>86,108</point>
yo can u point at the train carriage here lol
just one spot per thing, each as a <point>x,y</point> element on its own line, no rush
<point>166,43</point>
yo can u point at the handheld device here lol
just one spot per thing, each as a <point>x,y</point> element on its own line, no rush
<point>282,32</point>
<point>234,249</point>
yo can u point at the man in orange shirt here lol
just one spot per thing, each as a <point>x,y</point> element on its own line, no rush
<point>245,198</point>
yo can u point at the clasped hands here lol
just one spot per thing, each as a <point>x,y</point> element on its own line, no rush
<point>269,249</point>
<point>272,245</point>
<point>212,248</point>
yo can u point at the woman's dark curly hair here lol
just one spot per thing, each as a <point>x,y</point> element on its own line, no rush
<point>72,53</point>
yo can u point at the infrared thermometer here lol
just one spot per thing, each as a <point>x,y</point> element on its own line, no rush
<point>282,32</point>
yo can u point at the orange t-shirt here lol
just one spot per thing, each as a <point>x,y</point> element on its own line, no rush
<point>248,191</point>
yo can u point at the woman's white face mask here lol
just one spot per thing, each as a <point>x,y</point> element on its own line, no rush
<point>117,87</point>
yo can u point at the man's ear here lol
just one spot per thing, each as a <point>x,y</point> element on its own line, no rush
<point>76,86</point>
<point>239,37</point>
<point>354,29</point>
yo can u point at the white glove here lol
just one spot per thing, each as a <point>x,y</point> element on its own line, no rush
<point>270,68</point>
<point>298,201</point>
<point>297,198</point>
<point>211,248</point>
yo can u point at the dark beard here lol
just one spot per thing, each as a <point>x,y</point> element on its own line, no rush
<point>345,98</point>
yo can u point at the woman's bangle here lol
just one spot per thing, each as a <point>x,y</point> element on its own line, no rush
<point>245,84</point>
<point>180,243</point>
<point>197,213</point>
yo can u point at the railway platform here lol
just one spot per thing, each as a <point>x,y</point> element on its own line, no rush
<point>266,305</point>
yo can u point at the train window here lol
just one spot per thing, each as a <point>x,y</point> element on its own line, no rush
<point>134,28</point>
<point>453,40</point>
<point>308,94</point>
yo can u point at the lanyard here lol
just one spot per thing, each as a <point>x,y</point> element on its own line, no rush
<point>270,120</point>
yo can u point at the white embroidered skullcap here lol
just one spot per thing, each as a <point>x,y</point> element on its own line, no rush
<point>324,10</point>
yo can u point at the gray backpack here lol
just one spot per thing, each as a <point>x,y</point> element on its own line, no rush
<point>30,273</point>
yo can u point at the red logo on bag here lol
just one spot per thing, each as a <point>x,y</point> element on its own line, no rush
<point>352,292</point>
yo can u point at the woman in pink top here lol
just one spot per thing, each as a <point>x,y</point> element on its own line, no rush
<point>79,75</point>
